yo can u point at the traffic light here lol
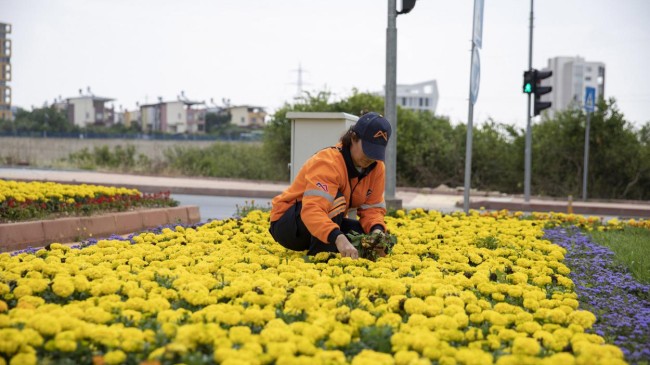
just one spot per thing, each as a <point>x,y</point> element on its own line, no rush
<point>541,90</point>
<point>407,6</point>
<point>529,82</point>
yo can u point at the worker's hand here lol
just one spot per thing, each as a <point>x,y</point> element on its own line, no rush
<point>345,247</point>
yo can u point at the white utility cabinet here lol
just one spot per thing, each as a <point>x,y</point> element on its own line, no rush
<point>313,131</point>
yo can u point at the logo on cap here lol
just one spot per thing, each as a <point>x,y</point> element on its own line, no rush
<point>381,134</point>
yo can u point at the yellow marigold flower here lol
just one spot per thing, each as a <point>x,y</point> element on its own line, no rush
<point>24,358</point>
<point>542,280</point>
<point>556,316</point>
<point>392,287</point>
<point>300,301</point>
<point>46,324</point>
<point>415,306</point>
<point>563,358</point>
<point>360,318</point>
<point>239,334</point>
<point>65,341</point>
<point>277,349</point>
<point>10,340</point>
<point>114,357</point>
<point>531,304</point>
<point>4,289</point>
<point>22,290</point>
<point>338,338</point>
<point>405,357</point>
<point>525,346</point>
<point>390,319</point>
<point>529,327</point>
<point>518,278</point>
<point>473,356</point>
<point>63,286</point>
<point>370,357</point>
<point>583,318</point>
<point>254,316</point>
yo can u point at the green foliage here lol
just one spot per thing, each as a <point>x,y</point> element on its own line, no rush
<point>430,151</point>
<point>120,158</point>
<point>372,246</point>
<point>47,119</point>
<point>631,246</point>
<point>376,338</point>
<point>489,242</point>
<point>243,210</point>
<point>618,165</point>
<point>216,121</point>
<point>222,159</point>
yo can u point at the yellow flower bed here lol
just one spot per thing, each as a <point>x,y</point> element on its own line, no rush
<point>21,201</point>
<point>44,192</point>
<point>457,289</point>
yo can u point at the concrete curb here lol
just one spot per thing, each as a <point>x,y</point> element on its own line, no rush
<point>22,235</point>
<point>563,207</point>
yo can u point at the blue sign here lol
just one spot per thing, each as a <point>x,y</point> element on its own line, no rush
<point>590,99</point>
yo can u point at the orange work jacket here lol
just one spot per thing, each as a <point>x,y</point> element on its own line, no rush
<point>327,172</point>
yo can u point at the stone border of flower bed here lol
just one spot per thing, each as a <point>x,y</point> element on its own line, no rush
<point>21,235</point>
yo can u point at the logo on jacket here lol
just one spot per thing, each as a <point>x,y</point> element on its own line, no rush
<point>322,186</point>
<point>381,134</point>
<point>368,193</point>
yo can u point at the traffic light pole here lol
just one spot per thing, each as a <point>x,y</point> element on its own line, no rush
<point>529,142</point>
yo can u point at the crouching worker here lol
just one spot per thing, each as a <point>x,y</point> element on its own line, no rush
<point>311,214</point>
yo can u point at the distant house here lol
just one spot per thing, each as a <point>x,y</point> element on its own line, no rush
<point>179,116</point>
<point>130,117</point>
<point>87,110</point>
<point>247,116</point>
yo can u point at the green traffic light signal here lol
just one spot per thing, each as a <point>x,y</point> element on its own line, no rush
<point>529,81</point>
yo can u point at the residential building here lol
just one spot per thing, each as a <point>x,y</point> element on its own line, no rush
<point>130,117</point>
<point>571,75</point>
<point>179,116</point>
<point>88,110</point>
<point>247,116</point>
<point>419,96</point>
<point>5,72</point>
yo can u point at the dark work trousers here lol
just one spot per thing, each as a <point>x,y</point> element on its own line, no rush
<point>290,231</point>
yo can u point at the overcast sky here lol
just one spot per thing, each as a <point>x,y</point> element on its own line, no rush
<point>249,50</point>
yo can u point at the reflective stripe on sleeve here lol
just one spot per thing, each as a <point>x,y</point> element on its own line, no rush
<point>378,205</point>
<point>319,193</point>
<point>336,211</point>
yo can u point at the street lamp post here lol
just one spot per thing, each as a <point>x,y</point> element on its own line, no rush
<point>390,99</point>
<point>390,106</point>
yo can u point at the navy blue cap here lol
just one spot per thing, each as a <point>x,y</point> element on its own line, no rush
<point>374,130</point>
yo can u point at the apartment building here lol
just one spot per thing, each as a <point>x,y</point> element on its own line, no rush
<point>420,96</point>
<point>571,75</point>
<point>5,72</point>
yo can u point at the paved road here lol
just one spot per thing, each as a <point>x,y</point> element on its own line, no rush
<point>219,207</point>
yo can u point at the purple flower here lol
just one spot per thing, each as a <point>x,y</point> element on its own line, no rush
<point>606,288</point>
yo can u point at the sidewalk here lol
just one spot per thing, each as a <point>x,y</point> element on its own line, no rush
<point>445,200</point>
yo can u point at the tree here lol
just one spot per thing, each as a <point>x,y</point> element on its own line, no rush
<point>48,119</point>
